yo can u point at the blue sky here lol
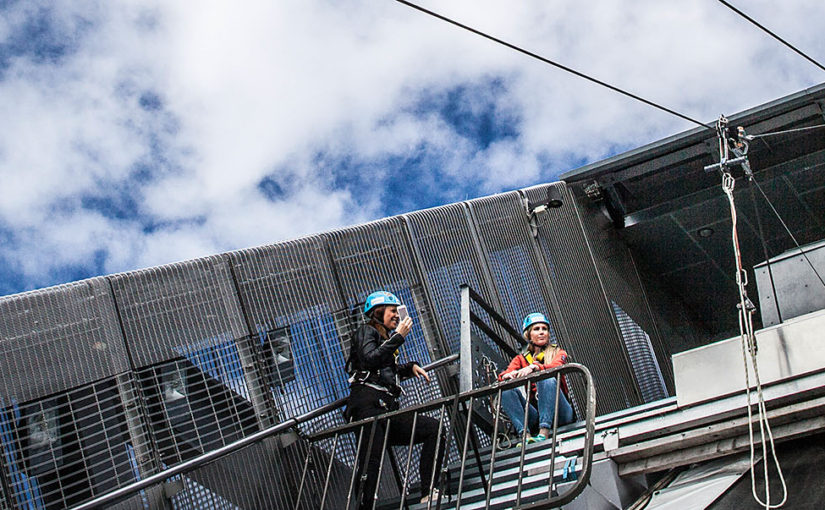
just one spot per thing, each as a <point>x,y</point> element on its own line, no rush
<point>138,133</point>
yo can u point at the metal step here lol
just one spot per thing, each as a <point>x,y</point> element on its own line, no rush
<point>535,481</point>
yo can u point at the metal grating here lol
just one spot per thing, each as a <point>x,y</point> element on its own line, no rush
<point>450,256</point>
<point>63,449</point>
<point>58,338</point>
<point>594,337</point>
<point>642,358</point>
<point>622,284</point>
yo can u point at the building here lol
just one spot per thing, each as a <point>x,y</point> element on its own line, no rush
<point>110,380</point>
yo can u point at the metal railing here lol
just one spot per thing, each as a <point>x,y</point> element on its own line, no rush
<point>330,470</point>
<point>449,410</point>
<point>456,414</point>
<point>126,491</point>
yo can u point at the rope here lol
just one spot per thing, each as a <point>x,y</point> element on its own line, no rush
<point>748,340</point>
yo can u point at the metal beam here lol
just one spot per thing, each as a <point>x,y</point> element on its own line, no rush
<point>705,434</point>
<point>718,448</point>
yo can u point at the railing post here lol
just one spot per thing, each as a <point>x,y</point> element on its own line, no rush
<point>329,471</point>
<point>555,428</point>
<point>383,452</point>
<point>355,468</point>
<point>436,474</point>
<point>303,477</point>
<point>496,418</point>
<point>438,480</point>
<point>523,441</point>
<point>467,431</point>
<point>465,380</point>
<point>409,458</point>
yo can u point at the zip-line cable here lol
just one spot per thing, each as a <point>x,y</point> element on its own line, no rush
<point>553,63</point>
<point>783,41</point>
<point>626,93</point>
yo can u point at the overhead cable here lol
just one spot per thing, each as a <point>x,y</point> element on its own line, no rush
<point>552,63</point>
<point>785,132</point>
<point>788,230</point>
<point>783,41</point>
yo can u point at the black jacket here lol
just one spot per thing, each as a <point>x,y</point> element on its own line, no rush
<point>372,360</point>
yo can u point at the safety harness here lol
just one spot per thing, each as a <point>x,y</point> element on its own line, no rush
<point>362,377</point>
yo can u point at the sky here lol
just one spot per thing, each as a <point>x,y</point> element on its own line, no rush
<point>139,133</point>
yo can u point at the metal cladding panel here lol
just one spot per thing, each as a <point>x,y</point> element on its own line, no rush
<point>376,256</point>
<point>444,241</point>
<point>792,287</point>
<point>501,222</point>
<point>169,310</point>
<point>285,282</point>
<point>194,360</point>
<point>594,337</point>
<point>292,302</point>
<point>623,287</point>
<point>66,448</point>
<point>58,338</point>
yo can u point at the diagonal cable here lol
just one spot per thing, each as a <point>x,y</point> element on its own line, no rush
<point>552,63</point>
<point>788,230</point>
<point>783,41</point>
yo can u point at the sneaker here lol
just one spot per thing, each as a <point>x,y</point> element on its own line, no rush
<point>433,496</point>
<point>539,437</point>
<point>530,440</point>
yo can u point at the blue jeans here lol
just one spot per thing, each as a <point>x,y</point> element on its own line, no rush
<point>512,403</point>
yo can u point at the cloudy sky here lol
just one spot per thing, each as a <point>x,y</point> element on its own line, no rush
<point>137,133</point>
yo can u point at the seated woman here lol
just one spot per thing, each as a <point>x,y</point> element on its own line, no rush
<point>375,375</point>
<point>541,354</point>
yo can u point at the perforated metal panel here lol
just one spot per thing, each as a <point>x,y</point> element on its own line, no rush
<point>58,338</point>
<point>594,336</point>
<point>450,256</point>
<point>623,287</point>
<point>63,449</point>
<point>195,361</point>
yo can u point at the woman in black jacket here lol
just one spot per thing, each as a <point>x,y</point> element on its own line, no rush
<point>375,375</point>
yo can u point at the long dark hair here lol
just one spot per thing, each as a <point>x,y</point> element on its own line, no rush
<point>376,320</point>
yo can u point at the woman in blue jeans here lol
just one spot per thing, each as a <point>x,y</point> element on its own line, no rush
<point>541,354</point>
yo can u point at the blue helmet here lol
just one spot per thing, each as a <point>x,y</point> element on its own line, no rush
<point>380,298</point>
<point>534,318</point>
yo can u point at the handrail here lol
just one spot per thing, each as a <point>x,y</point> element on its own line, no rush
<point>200,460</point>
<point>496,389</point>
<point>475,296</point>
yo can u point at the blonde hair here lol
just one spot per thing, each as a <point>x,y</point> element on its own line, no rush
<point>549,350</point>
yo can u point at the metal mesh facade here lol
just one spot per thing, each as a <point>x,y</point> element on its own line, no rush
<point>108,380</point>
<point>594,338</point>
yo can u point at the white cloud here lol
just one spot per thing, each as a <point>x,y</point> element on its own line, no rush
<point>184,108</point>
